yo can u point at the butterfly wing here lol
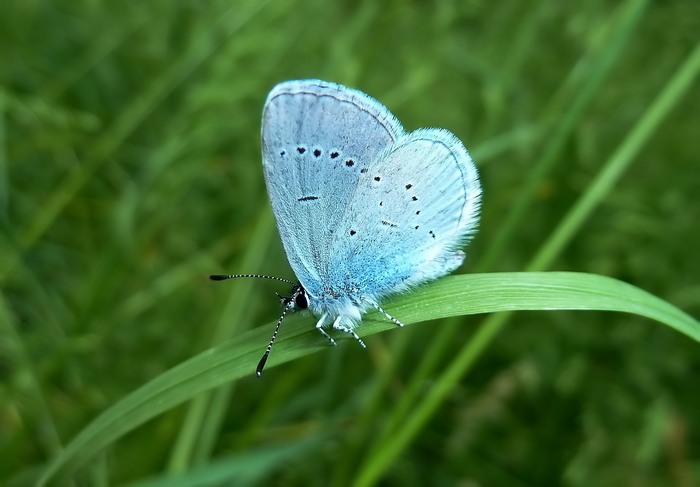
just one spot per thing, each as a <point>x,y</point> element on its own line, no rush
<point>413,209</point>
<point>317,139</point>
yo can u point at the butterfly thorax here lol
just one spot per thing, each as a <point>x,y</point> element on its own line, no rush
<point>332,304</point>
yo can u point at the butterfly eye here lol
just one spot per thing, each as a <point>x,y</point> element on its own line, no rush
<point>300,301</point>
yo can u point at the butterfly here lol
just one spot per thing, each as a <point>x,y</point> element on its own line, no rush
<point>364,209</point>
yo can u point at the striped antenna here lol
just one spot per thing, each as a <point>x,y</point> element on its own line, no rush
<point>289,303</point>
<point>263,360</point>
<point>223,277</point>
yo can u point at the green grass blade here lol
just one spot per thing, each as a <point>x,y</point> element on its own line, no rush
<point>454,295</point>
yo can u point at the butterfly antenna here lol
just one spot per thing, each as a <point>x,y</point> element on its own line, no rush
<point>222,277</point>
<point>263,360</point>
<point>288,305</point>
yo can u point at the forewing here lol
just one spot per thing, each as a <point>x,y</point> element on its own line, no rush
<point>317,138</point>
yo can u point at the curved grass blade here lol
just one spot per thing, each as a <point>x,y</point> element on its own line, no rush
<point>451,296</point>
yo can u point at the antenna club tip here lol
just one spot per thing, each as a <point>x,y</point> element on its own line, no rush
<point>261,364</point>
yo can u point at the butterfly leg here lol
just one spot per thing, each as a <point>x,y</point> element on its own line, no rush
<point>319,326</point>
<point>379,308</point>
<point>338,325</point>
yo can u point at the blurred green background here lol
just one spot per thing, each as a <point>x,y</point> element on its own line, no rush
<point>130,170</point>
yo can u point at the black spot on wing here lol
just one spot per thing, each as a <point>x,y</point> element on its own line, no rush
<point>307,198</point>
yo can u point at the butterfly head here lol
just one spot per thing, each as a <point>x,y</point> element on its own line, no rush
<point>298,299</point>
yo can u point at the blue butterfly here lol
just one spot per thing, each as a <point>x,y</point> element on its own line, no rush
<point>364,209</point>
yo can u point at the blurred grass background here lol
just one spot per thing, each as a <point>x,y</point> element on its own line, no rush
<point>130,170</point>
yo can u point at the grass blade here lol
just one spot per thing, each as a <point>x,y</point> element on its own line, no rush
<point>452,296</point>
